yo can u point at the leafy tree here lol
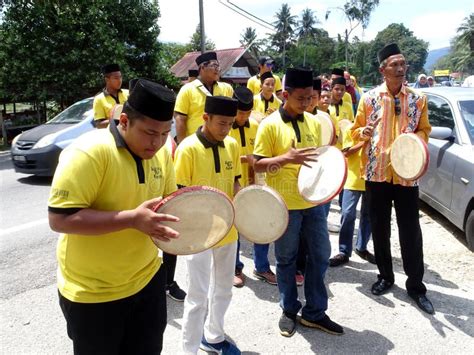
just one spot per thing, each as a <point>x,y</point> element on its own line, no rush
<point>307,30</point>
<point>284,35</point>
<point>195,42</point>
<point>415,50</point>
<point>172,52</point>
<point>358,14</point>
<point>249,40</point>
<point>54,49</point>
<point>463,44</point>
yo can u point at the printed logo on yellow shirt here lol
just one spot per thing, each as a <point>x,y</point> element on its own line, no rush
<point>310,138</point>
<point>157,172</point>
<point>229,165</point>
<point>252,141</point>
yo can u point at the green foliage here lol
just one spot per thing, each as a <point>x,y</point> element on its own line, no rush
<point>195,42</point>
<point>461,57</point>
<point>54,49</point>
<point>249,40</point>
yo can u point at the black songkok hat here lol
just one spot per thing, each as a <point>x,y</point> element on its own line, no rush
<point>265,60</point>
<point>387,51</point>
<point>206,57</point>
<point>339,80</point>
<point>298,78</point>
<point>317,84</point>
<point>193,73</point>
<point>110,68</point>
<point>245,98</point>
<point>221,105</point>
<point>337,71</point>
<point>152,100</point>
<point>266,75</point>
<point>132,83</point>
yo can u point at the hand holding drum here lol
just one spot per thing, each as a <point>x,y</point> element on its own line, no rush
<point>301,156</point>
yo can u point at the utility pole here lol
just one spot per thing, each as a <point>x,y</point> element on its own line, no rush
<point>201,25</point>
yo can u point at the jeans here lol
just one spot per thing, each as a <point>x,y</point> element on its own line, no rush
<point>260,257</point>
<point>309,224</point>
<point>348,218</point>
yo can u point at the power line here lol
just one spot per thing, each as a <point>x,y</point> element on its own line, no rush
<point>264,24</point>
<point>258,18</point>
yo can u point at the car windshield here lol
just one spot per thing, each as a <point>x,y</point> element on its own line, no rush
<point>73,114</point>
<point>467,114</point>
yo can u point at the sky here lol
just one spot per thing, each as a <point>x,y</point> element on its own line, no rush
<point>433,21</point>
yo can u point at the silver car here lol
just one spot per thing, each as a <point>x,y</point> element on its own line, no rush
<point>448,185</point>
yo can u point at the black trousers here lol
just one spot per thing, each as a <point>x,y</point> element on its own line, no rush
<point>405,200</point>
<point>169,263</point>
<point>133,325</point>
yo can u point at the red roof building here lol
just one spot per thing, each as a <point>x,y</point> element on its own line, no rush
<point>237,65</point>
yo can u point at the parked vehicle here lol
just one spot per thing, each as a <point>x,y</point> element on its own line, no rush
<point>37,150</point>
<point>448,185</point>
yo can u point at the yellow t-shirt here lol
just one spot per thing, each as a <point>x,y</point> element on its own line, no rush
<point>98,172</point>
<point>353,181</point>
<point>274,138</point>
<point>195,166</point>
<point>259,103</point>
<point>103,103</point>
<point>192,98</point>
<point>347,98</point>
<point>345,112</point>
<point>245,137</point>
<point>255,85</point>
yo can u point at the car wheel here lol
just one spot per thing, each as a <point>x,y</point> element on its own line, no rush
<point>470,231</point>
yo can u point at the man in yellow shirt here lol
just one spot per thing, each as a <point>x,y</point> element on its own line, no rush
<point>210,157</point>
<point>111,95</point>
<point>354,189</point>
<point>189,108</point>
<point>111,285</point>
<point>285,141</point>
<point>383,114</point>
<point>265,65</point>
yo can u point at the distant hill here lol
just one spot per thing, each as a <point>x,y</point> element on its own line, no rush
<point>433,57</point>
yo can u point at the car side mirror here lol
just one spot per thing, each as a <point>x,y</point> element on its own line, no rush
<point>443,133</point>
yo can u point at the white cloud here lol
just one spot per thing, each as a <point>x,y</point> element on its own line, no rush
<point>437,28</point>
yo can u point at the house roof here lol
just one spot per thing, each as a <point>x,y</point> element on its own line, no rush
<point>226,57</point>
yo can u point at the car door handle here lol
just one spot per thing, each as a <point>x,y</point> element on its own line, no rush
<point>465,181</point>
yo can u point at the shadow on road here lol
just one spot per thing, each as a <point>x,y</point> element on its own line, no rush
<point>36,180</point>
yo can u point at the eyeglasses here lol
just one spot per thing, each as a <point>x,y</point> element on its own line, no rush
<point>212,65</point>
<point>398,109</point>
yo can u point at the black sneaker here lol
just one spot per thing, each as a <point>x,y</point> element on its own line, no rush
<point>338,260</point>
<point>175,292</point>
<point>325,324</point>
<point>287,324</point>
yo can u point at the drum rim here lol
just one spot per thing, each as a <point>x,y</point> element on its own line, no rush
<point>278,197</point>
<point>333,131</point>
<point>338,190</point>
<point>425,151</point>
<point>191,189</point>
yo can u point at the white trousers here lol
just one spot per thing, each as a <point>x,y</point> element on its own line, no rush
<point>210,277</point>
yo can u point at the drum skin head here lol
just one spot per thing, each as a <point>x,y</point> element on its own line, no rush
<point>206,216</point>
<point>325,178</point>
<point>409,156</point>
<point>116,111</point>
<point>261,215</point>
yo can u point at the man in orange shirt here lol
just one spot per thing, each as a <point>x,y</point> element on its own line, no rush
<point>383,114</point>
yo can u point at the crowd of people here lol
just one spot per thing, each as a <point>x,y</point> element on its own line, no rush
<point>112,282</point>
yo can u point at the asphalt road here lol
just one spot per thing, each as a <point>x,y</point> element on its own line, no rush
<point>31,321</point>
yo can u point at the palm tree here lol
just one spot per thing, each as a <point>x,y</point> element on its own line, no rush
<point>284,29</point>
<point>306,30</point>
<point>249,40</point>
<point>463,57</point>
